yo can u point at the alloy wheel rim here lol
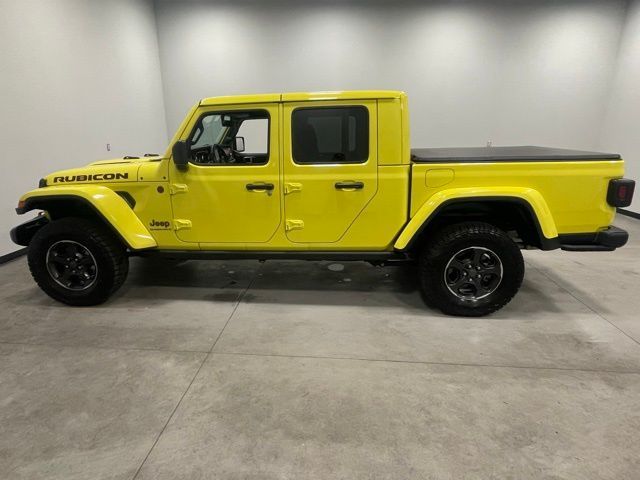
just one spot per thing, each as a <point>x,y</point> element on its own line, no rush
<point>473,273</point>
<point>71,265</point>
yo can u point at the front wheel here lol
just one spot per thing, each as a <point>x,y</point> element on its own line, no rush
<point>470,269</point>
<point>77,261</point>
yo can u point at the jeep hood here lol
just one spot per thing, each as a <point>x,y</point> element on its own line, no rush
<point>116,170</point>
<point>98,172</point>
<point>126,160</point>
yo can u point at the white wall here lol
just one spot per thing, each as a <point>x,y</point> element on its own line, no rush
<point>74,76</point>
<point>513,72</point>
<point>622,125</point>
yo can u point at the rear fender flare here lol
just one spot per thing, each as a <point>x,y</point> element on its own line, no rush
<point>531,198</point>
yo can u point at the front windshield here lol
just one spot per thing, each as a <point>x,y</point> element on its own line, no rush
<point>209,132</point>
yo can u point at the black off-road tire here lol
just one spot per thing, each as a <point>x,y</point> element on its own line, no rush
<point>446,246</point>
<point>107,251</point>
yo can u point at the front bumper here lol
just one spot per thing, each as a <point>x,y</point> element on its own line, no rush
<point>605,240</point>
<point>23,233</point>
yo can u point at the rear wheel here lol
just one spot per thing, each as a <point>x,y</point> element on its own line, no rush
<point>77,261</point>
<point>470,269</point>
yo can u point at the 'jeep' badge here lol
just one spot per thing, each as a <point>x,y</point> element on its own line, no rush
<point>159,225</point>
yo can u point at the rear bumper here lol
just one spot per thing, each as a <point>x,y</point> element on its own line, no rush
<point>605,240</point>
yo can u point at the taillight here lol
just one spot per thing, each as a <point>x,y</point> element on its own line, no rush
<point>620,192</point>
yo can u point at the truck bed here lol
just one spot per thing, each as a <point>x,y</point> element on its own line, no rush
<point>505,154</point>
<point>571,185</point>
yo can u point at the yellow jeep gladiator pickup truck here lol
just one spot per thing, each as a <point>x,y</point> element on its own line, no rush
<point>326,176</point>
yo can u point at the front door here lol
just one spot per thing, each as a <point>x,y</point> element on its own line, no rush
<point>230,192</point>
<point>330,168</point>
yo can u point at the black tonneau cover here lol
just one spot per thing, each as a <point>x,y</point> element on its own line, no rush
<point>505,154</point>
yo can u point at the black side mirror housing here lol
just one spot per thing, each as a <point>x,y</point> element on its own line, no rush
<point>180,152</point>
<point>238,144</point>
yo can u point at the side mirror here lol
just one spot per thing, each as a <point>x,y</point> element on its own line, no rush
<point>238,144</point>
<point>181,153</point>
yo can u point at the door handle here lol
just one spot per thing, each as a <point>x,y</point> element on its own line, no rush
<point>349,185</point>
<point>260,186</point>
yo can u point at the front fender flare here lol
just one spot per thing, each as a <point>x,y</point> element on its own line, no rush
<point>104,201</point>
<point>531,197</point>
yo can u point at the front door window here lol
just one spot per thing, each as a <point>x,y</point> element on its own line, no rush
<point>222,138</point>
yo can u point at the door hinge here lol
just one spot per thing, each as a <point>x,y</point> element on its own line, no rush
<point>292,187</point>
<point>178,188</point>
<point>293,225</point>
<point>181,224</point>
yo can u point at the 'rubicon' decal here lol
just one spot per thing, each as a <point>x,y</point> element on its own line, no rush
<point>96,177</point>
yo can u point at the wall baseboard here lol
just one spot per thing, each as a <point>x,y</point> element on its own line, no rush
<point>629,213</point>
<point>13,255</point>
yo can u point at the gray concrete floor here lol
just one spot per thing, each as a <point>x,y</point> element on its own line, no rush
<point>290,370</point>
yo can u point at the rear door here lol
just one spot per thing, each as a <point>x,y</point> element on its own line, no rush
<point>330,167</point>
